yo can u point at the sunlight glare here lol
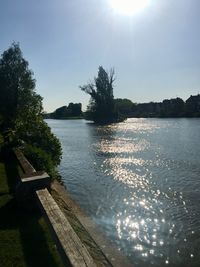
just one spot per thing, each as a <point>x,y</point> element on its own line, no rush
<point>128,7</point>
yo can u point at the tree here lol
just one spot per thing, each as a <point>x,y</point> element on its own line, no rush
<point>192,106</point>
<point>172,107</point>
<point>101,106</point>
<point>60,113</point>
<point>73,110</point>
<point>16,87</point>
<point>21,107</point>
<point>124,106</point>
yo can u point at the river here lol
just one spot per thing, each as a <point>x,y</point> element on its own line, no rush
<point>140,182</point>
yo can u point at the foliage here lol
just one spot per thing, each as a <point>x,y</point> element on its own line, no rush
<point>171,108</point>
<point>21,107</point>
<point>192,106</point>
<point>39,158</point>
<point>124,106</point>
<point>73,110</point>
<point>101,106</point>
<point>39,134</point>
<point>17,87</point>
<point>61,112</point>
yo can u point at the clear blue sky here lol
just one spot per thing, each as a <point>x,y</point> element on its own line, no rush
<point>155,53</point>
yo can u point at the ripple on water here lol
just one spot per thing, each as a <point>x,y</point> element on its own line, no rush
<point>140,181</point>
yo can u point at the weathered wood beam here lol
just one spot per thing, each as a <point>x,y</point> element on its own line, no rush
<point>68,243</point>
<point>36,176</point>
<point>29,182</point>
<point>24,163</point>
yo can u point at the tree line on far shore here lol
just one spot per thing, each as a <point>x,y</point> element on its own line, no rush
<point>125,108</point>
<point>72,111</point>
<point>168,108</point>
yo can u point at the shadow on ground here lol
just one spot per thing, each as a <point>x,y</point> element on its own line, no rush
<point>24,237</point>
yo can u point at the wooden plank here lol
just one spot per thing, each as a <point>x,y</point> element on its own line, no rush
<point>35,176</point>
<point>70,243</point>
<point>24,163</point>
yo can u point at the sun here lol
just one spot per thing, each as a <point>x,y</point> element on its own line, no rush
<point>128,7</point>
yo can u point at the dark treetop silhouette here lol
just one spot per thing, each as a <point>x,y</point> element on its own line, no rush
<point>72,111</point>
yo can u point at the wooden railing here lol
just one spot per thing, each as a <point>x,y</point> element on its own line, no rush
<point>31,190</point>
<point>68,243</point>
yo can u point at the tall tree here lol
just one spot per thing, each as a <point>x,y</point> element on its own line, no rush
<point>20,105</point>
<point>101,105</point>
<point>16,86</point>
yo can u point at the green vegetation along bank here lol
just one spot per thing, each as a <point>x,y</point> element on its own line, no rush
<point>21,113</point>
<point>24,237</point>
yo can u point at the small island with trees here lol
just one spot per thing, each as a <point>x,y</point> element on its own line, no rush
<point>101,108</point>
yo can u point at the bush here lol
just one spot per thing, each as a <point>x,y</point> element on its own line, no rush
<point>39,159</point>
<point>39,135</point>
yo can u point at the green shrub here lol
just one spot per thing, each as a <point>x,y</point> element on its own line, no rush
<point>39,159</point>
<point>39,135</point>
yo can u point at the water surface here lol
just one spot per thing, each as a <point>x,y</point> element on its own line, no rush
<point>140,181</point>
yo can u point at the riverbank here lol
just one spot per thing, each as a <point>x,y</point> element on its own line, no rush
<point>25,239</point>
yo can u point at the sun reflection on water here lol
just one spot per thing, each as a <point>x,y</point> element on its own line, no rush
<point>144,220</point>
<point>122,145</point>
<point>139,181</point>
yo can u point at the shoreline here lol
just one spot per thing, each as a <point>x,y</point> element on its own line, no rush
<point>103,251</point>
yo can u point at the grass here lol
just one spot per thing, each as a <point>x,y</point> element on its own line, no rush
<point>25,240</point>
